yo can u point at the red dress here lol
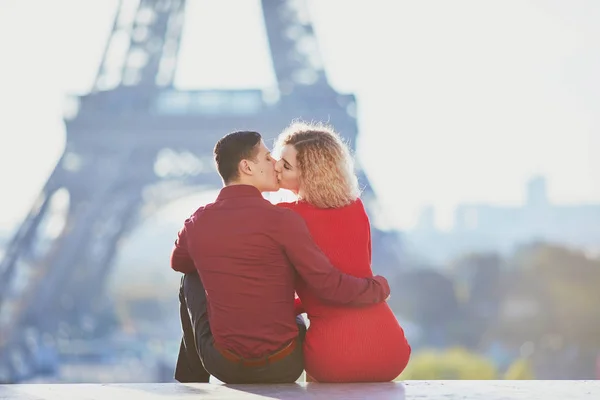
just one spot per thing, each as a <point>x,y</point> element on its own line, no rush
<point>345,344</point>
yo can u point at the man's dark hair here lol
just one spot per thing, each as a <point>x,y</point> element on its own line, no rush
<point>233,148</point>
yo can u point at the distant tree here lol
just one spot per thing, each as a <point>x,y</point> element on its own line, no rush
<point>551,302</point>
<point>455,363</point>
<point>553,290</point>
<point>520,369</point>
<point>478,278</point>
<point>427,297</point>
<point>479,273</point>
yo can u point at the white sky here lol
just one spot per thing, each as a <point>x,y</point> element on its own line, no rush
<point>458,101</point>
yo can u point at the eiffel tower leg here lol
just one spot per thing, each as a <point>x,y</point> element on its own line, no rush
<point>51,278</point>
<point>85,285</point>
<point>23,264</point>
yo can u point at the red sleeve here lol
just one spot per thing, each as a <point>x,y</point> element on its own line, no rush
<point>325,281</point>
<point>298,307</point>
<point>370,246</point>
<point>181,260</point>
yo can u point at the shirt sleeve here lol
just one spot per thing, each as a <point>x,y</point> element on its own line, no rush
<point>326,281</point>
<point>181,261</point>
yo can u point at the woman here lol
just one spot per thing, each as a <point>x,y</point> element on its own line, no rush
<point>342,344</point>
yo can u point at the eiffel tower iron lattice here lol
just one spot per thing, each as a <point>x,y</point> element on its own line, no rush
<point>135,140</point>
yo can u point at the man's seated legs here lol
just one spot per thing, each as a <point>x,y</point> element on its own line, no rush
<point>198,356</point>
<point>189,366</point>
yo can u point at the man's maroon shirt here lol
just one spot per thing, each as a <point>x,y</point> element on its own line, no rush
<point>247,252</point>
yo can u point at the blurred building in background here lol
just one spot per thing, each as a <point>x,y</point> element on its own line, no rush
<point>486,227</point>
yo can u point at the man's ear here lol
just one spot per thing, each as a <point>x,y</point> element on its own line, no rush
<point>245,167</point>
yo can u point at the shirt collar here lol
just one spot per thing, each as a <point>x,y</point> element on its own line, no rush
<point>234,191</point>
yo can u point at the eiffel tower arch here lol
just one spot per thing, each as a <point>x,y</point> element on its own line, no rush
<point>136,142</point>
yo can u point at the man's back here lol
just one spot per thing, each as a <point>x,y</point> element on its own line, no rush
<point>248,280</point>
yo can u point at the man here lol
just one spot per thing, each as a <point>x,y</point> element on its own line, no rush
<point>238,314</point>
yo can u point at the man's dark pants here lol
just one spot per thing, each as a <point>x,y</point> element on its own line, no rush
<point>198,358</point>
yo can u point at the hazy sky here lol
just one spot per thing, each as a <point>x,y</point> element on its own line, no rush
<point>459,101</point>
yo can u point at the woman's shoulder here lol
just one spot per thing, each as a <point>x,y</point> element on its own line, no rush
<point>288,204</point>
<point>357,209</point>
<point>356,205</point>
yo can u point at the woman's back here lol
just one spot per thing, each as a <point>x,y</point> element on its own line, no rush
<point>346,344</point>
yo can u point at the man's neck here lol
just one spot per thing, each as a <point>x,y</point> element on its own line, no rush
<point>237,183</point>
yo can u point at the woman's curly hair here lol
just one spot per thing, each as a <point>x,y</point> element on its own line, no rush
<point>327,177</point>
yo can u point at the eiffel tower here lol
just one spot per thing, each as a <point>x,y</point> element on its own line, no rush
<point>136,143</point>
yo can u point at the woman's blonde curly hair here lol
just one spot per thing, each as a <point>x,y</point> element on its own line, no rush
<point>326,166</point>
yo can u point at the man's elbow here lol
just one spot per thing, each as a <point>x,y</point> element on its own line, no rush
<point>184,266</point>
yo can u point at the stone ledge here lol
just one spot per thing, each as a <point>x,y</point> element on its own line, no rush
<point>448,390</point>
